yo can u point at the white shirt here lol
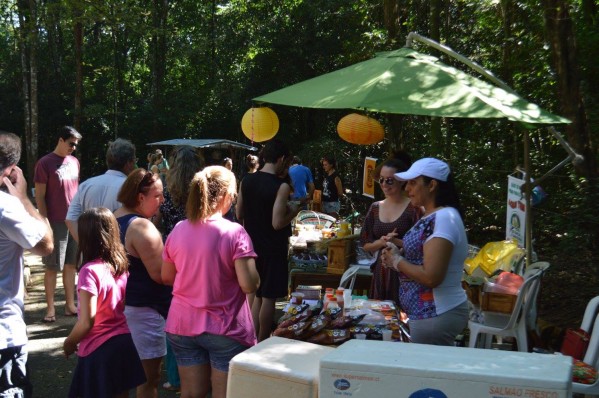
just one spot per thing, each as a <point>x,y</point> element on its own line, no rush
<point>18,231</point>
<point>100,191</point>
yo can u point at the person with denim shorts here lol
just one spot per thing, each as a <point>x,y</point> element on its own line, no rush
<point>210,261</point>
<point>21,227</point>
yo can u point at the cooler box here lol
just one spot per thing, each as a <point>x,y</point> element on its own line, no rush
<point>366,368</point>
<point>276,367</point>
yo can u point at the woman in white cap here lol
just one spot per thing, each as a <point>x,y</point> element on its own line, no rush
<point>431,257</point>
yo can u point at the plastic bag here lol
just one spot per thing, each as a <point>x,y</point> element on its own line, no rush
<point>493,256</point>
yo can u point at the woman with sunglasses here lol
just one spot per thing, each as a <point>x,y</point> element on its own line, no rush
<point>387,221</point>
<point>147,299</point>
<point>431,262</point>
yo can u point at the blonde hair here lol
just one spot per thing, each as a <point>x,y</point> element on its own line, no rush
<point>207,191</point>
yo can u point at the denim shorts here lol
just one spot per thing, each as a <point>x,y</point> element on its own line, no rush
<point>205,348</point>
<point>147,329</point>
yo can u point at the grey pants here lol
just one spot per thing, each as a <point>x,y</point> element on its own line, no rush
<point>442,329</point>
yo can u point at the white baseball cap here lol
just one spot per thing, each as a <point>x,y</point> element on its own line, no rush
<point>429,167</point>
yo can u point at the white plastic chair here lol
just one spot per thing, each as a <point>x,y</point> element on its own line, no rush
<point>590,323</point>
<point>514,325</point>
<point>531,320</point>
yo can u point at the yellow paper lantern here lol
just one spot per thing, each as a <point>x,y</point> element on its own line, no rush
<point>260,124</point>
<point>359,129</point>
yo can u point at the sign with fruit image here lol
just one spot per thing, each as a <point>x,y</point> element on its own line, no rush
<point>516,209</point>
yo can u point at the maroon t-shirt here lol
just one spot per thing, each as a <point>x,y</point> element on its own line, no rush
<point>61,176</point>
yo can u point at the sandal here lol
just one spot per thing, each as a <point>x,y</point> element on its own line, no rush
<point>49,319</point>
<point>69,313</point>
<point>168,386</point>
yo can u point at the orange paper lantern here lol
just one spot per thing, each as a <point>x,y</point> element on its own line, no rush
<point>359,129</point>
<point>260,124</point>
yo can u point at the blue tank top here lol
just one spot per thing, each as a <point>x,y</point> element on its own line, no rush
<point>142,290</point>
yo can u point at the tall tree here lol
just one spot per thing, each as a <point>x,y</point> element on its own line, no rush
<point>28,41</point>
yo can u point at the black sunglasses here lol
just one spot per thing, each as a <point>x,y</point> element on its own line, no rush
<point>388,180</point>
<point>73,144</point>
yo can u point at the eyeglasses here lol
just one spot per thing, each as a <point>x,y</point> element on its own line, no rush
<point>73,144</point>
<point>388,180</point>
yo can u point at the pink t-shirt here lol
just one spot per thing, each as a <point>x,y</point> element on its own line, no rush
<point>61,177</point>
<point>96,278</point>
<point>207,297</point>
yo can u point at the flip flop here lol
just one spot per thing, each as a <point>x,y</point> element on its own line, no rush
<point>49,319</point>
<point>69,313</point>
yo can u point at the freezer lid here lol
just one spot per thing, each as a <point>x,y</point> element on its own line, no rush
<point>286,359</point>
<point>452,363</point>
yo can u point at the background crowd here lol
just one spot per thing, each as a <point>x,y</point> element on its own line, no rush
<point>185,262</point>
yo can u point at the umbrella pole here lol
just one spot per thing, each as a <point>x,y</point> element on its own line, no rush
<point>527,196</point>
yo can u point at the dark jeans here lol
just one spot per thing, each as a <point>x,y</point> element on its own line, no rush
<point>14,380</point>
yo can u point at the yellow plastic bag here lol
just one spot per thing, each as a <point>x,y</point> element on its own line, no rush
<point>492,256</point>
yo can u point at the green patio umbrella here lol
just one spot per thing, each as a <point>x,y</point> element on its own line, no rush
<point>405,81</point>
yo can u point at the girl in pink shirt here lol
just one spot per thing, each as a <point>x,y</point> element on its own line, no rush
<point>209,260</point>
<point>108,364</point>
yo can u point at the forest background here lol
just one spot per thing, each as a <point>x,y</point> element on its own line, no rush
<point>161,69</point>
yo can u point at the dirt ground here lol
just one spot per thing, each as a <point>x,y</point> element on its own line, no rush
<point>50,371</point>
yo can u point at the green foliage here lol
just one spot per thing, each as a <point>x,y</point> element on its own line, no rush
<point>221,54</point>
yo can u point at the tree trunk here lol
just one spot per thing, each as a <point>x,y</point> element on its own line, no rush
<point>158,64</point>
<point>78,31</point>
<point>560,32</point>
<point>438,145</point>
<point>28,37</point>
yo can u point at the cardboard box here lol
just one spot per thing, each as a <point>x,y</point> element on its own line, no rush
<point>339,255</point>
<point>276,367</point>
<point>497,302</point>
<point>367,368</point>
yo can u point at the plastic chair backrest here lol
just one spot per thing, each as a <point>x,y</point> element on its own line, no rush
<point>592,355</point>
<point>590,313</point>
<point>527,291</point>
<point>533,268</point>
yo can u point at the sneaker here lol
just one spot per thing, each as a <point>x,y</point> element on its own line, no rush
<point>168,386</point>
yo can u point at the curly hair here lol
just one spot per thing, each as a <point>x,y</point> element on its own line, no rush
<point>185,162</point>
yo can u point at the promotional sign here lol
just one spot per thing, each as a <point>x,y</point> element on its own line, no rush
<point>515,226</point>
<point>368,184</point>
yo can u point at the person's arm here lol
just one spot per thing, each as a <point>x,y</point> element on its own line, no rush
<point>247,275</point>
<point>437,254</point>
<point>239,205</point>
<point>339,187</point>
<point>85,322</point>
<point>75,210</point>
<point>282,214</point>
<point>168,273</point>
<point>17,187</point>
<point>40,198</point>
<point>311,188</point>
<point>146,242</point>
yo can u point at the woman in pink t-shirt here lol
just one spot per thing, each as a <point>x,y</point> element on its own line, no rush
<point>108,364</point>
<point>210,263</point>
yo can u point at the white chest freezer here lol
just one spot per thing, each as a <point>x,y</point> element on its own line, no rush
<point>276,367</point>
<point>365,368</point>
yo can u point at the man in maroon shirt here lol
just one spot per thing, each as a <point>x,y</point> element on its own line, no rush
<point>56,182</point>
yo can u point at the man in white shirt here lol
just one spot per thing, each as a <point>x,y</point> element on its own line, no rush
<point>21,227</point>
<point>102,190</point>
